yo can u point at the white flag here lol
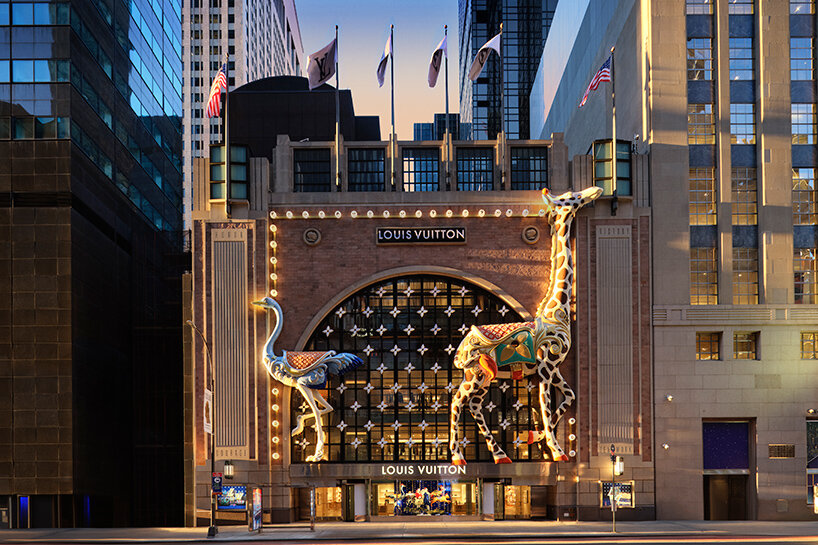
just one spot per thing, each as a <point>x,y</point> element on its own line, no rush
<point>321,65</point>
<point>483,55</point>
<point>208,411</point>
<point>387,52</point>
<point>437,59</point>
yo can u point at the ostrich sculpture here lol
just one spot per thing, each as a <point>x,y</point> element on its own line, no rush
<point>516,350</point>
<point>307,372</point>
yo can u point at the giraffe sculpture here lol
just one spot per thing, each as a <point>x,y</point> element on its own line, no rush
<point>306,372</point>
<point>522,349</point>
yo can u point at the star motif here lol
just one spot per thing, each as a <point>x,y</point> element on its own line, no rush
<point>449,311</point>
<point>380,291</point>
<point>434,291</point>
<point>422,311</point>
<point>517,405</point>
<point>423,425</point>
<point>463,291</point>
<point>381,330</point>
<point>462,329</point>
<point>465,441</point>
<point>476,310</point>
<point>530,386</point>
<point>410,406</point>
<point>382,405</point>
<point>395,349</point>
<point>503,311</point>
<point>435,368</point>
<point>449,387</point>
<point>327,330</point>
<point>367,312</point>
<point>408,291</point>
<point>518,441</point>
<point>411,441</point>
<point>369,425</point>
<point>396,425</point>
<point>490,406</point>
<point>340,312</point>
<point>304,406</point>
<point>368,388</point>
<point>381,368</point>
<point>382,442</point>
<point>355,443</point>
<point>303,443</point>
<point>504,386</point>
<point>409,368</point>
<point>354,330</point>
<point>505,423</point>
<point>341,387</point>
<point>422,350</point>
<point>395,387</point>
<point>422,388</point>
<point>408,329</point>
<point>368,350</point>
<point>436,442</point>
<point>435,329</point>
<point>342,425</point>
<point>394,312</point>
<point>435,406</point>
<point>449,349</point>
<point>355,406</point>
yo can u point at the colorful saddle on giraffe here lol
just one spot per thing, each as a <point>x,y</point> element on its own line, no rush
<point>513,346</point>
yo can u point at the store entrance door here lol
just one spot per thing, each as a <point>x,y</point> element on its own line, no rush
<point>725,497</point>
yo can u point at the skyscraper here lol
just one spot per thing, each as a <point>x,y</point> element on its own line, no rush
<point>261,39</point>
<point>525,27</point>
<point>90,282</point>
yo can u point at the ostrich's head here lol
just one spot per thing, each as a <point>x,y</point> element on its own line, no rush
<point>267,303</point>
<point>568,203</point>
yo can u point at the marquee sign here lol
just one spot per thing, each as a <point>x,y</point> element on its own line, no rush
<point>422,469</point>
<point>420,235</point>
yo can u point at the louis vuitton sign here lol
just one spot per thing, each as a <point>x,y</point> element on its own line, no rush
<point>420,235</point>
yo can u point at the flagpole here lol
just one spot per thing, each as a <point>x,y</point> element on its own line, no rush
<point>502,115</point>
<point>614,203</point>
<point>393,137</point>
<point>448,128</point>
<point>337,119</point>
<point>227,209</point>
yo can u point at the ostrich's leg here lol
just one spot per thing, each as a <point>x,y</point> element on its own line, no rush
<point>476,409</point>
<point>309,395</point>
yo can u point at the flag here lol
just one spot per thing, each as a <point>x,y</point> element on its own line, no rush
<point>387,52</point>
<point>603,74</point>
<point>215,99</point>
<point>483,55</point>
<point>437,59</point>
<point>321,65</point>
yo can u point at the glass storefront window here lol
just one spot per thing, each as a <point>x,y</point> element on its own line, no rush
<point>424,498</point>
<point>517,502</point>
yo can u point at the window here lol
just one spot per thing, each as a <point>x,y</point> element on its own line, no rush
<point>699,7</point>
<point>745,276</point>
<point>812,457</point>
<point>366,169</point>
<point>801,55</point>
<point>745,199</point>
<point>804,197</point>
<point>701,125</point>
<point>238,172</point>
<point>475,169</point>
<point>745,346</point>
<point>741,59</point>
<point>803,123</point>
<point>740,7</point>
<point>602,167</point>
<point>421,169</point>
<point>529,168</point>
<point>742,123</point>
<point>802,7</point>
<point>809,345</point>
<point>702,196</point>
<point>311,172</point>
<point>707,346</point>
<point>704,281</point>
<point>699,59</point>
<point>805,272</point>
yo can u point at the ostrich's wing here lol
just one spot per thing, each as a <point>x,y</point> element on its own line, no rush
<point>339,364</point>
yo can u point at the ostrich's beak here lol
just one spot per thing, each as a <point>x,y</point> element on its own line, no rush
<point>259,304</point>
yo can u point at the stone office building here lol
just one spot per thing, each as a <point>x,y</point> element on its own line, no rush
<point>326,252</point>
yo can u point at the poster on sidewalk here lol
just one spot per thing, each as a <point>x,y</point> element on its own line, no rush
<point>623,492</point>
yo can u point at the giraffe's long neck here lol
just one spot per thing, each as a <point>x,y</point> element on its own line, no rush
<point>555,307</point>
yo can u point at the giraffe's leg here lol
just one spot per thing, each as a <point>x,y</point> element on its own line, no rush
<point>476,409</point>
<point>568,396</point>
<point>463,394</point>
<point>557,454</point>
<point>309,394</point>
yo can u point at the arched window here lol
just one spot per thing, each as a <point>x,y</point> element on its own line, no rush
<point>395,407</point>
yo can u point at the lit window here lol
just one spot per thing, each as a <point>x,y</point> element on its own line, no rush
<point>803,123</point>
<point>421,169</point>
<point>699,59</point>
<point>745,276</point>
<point>602,167</point>
<point>806,276</point>
<point>702,196</point>
<point>801,55</point>
<point>701,125</point>
<point>804,198</point>
<point>745,346</point>
<point>475,169</point>
<point>745,198</point>
<point>741,59</point>
<point>366,169</point>
<point>809,345</point>
<point>704,281</point>
<point>707,346</point>
<point>742,123</point>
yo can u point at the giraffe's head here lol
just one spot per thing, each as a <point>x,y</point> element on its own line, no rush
<point>565,206</point>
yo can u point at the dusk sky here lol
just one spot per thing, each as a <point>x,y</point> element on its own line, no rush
<point>363,30</point>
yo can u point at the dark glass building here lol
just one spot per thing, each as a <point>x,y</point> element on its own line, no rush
<point>525,28</point>
<point>90,263</point>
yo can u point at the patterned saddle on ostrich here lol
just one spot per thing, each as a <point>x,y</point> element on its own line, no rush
<point>299,364</point>
<point>513,343</point>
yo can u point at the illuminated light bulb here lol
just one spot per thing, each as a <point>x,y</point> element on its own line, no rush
<point>289,215</point>
<point>465,213</point>
<point>386,213</point>
<point>432,213</point>
<point>273,215</point>
<point>810,411</point>
<point>353,214</point>
<point>481,213</point>
<point>669,397</point>
<point>572,437</point>
<point>541,213</point>
<point>498,213</point>
<point>572,420</point>
<point>273,244</point>
<point>276,439</point>
<point>276,456</point>
<point>337,214</point>
<point>665,446</point>
<point>274,407</point>
<point>273,276</point>
<point>305,215</point>
<point>273,293</point>
<point>418,213</point>
<point>370,214</point>
<point>273,228</point>
<point>402,213</point>
<point>576,478</point>
<point>321,214</point>
<point>273,260</point>
<point>276,423</point>
<point>573,453</point>
<point>275,391</point>
<point>509,212</point>
<point>449,213</point>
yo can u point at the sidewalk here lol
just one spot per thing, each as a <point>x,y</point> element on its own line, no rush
<point>338,531</point>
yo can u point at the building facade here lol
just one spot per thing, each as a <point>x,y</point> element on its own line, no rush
<point>322,246</point>
<point>436,130</point>
<point>90,264</point>
<point>721,95</point>
<point>261,39</point>
<point>525,27</point>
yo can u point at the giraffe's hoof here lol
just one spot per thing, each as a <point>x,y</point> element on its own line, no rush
<point>530,437</point>
<point>561,458</point>
<point>458,462</point>
<point>503,460</point>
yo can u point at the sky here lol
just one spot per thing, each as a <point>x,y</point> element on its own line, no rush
<point>363,27</point>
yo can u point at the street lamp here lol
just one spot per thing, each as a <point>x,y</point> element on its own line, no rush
<point>617,468</point>
<point>213,530</point>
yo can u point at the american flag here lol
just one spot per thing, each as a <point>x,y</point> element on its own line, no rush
<point>603,74</point>
<point>215,99</point>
